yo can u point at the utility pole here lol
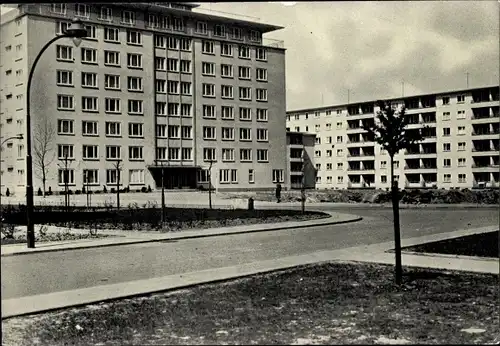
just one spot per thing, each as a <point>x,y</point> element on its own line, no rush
<point>210,184</point>
<point>118,168</point>
<point>162,195</point>
<point>87,178</point>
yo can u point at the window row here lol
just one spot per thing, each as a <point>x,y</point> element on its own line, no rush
<point>91,80</point>
<point>91,152</point>
<point>90,177</point>
<point>89,56</point>
<point>226,92</point>
<point>228,134</point>
<point>226,71</point>
<point>228,155</point>
<point>226,49</point>
<point>230,175</point>
<point>227,113</point>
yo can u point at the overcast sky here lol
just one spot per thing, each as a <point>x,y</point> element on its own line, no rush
<point>370,47</point>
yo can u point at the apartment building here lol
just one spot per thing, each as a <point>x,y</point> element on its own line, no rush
<point>300,151</point>
<point>460,148</point>
<point>154,86</point>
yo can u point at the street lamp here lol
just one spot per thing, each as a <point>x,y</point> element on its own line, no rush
<point>76,31</point>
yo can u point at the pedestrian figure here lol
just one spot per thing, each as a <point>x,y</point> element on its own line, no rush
<point>278,192</point>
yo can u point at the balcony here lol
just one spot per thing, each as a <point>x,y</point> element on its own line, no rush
<point>269,42</point>
<point>358,129</point>
<point>296,173</point>
<point>485,168</point>
<point>492,134</point>
<point>476,184</point>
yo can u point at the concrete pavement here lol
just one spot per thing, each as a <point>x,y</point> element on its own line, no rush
<point>371,253</point>
<point>129,237</point>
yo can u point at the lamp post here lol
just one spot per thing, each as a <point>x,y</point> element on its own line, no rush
<point>76,31</point>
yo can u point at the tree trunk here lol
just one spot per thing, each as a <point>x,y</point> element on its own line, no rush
<point>44,180</point>
<point>397,232</point>
<point>118,189</point>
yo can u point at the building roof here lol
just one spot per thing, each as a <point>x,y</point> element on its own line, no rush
<point>344,105</point>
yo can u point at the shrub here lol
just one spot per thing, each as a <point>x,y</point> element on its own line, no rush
<point>83,189</point>
<point>50,191</point>
<point>104,190</point>
<point>149,188</point>
<point>70,192</point>
<point>143,189</point>
<point>97,192</point>
<point>7,192</point>
<point>112,190</point>
<point>39,192</point>
<point>78,192</point>
<point>8,231</point>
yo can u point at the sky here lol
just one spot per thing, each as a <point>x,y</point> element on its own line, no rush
<point>369,50</point>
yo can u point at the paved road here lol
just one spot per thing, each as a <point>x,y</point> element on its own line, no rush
<point>57,271</point>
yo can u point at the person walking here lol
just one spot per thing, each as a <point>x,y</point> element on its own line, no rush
<point>278,193</point>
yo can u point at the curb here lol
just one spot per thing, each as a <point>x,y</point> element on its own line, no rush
<point>194,236</point>
<point>442,255</point>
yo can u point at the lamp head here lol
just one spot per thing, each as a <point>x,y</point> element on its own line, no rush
<point>20,136</point>
<point>77,31</point>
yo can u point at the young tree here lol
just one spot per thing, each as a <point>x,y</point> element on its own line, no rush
<point>43,149</point>
<point>117,165</point>
<point>392,134</point>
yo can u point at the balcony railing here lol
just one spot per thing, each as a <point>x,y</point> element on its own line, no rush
<point>420,167</point>
<point>269,42</point>
<point>485,166</point>
<point>484,116</point>
<point>485,133</point>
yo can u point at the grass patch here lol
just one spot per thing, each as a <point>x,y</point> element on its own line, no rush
<point>61,236</point>
<point>329,303</point>
<point>480,245</point>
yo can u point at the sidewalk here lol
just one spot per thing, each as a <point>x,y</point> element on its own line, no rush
<point>130,237</point>
<point>370,253</point>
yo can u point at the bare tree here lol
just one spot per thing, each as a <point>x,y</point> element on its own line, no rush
<point>43,149</point>
<point>65,166</point>
<point>117,165</point>
<point>210,183</point>
<point>392,134</point>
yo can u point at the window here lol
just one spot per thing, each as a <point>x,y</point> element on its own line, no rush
<point>89,80</point>
<point>446,116</point>
<point>111,82</point>
<point>340,152</point>
<point>160,41</point>
<point>186,132</point>
<point>82,10</point>
<point>261,75</point>
<point>209,111</point>
<point>111,58</point>
<point>135,130</point>
<point>254,35</point>
<point>201,28</point>
<point>227,154</point>
<point>112,105</point>
<point>462,178</point>
<point>186,110</point>
<point>66,176</point>
<point>106,14</point>
<point>461,130</point>
<point>91,177</point>
<point>245,93</point>
<point>173,43</point>
<point>135,107</point>
<point>178,24</point>
<point>61,28</point>
<point>245,155</point>
<point>89,56</point>
<point>461,98</point>
<point>329,165</point>
<point>340,180</point>
<point>227,134</point>
<point>134,38</point>
<point>235,33</point>
<point>153,21</point>
<point>447,178</point>
<point>161,131</point>
<point>173,87</point>
<point>329,153</point>
<point>90,152</point>
<point>446,100</point>
<point>128,17</point>
<point>339,139</point>
<point>226,91</point>
<point>91,32</point>
<point>160,63</point>
<point>447,163</point>
<point>136,176</point>
<point>65,151</point>
<point>113,152</point>
<point>65,102</point>
<point>209,132</point>
<point>446,146</point>
<point>278,176</point>
<point>261,114</point>
<point>207,47</point>
<point>226,71</point>
<point>261,95</point>
<point>245,113</point>
<point>134,60</point>
<point>383,164</point>
<point>64,78</point>
<point>173,131</point>
<point>227,112</point>
<point>317,140</point>
<point>317,127</point>
<point>172,65</point>
<point>64,53</point>
<point>396,164</point>
<point>244,52</point>
<point>113,129</point>
<point>461,146</point>
<point>244,72</point>
<point>262,155</point>
<point>262,135</point>
<point>89,104</point>
<point>187,154</point>
<point>89,128</point>
<point>226,49</point>
<point>173,109</point>
<point>251,176</point>
<point>224,175</point>
<point>111,176</point>
<point>461,114</point>
<point>261,54</point>
<point>220,31</point>
<point>161,108</point>
<point>328,112</point>
<point>186,88</point>
<point>209,154</point>
<point>134,83</point>
<point>245,134</point>
<point>446,131</point>
<point>328,127</point>
<point>134,153</point>
<point>65,127</point>
<point>208,90</point>
<point>185,66</point>
<point>58,8</point>
<point>208,69</point>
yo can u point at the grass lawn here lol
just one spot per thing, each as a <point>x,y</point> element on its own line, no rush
<point>329,303</point>
<point>52,237</point>
<point>480,245</point>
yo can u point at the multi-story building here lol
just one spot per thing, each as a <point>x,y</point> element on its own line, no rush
<point>460,148</point>
<point>300,151</point>
<point>154,86</point>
